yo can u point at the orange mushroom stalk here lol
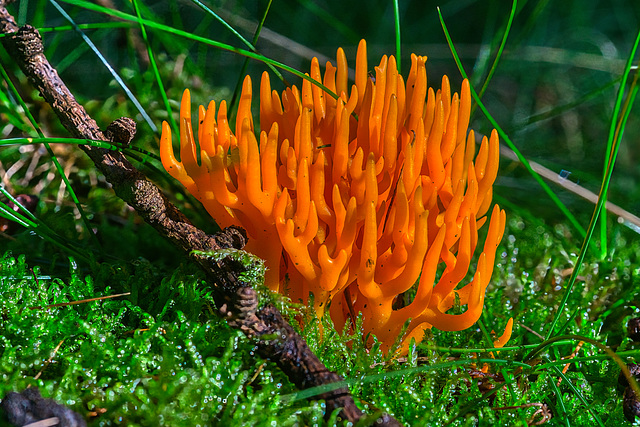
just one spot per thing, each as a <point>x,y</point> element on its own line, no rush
<point>357,200</point>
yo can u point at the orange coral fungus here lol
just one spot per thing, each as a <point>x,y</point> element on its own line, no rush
<point>356,199</point>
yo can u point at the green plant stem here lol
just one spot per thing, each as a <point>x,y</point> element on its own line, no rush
<point>310,392</point>
<point>507,140</point>
<point>54,159</point>
<point>396,19</point>
<point>615,136</point>
<point>503,42</point>
<point>251,45</point>
<point>30,222</point>
<point>562,407</point>
<point>154,67</point>
<point>612,151</point>
<point>207,41</point>
<point>578,394</point>
<point>245,64</point>
<point>616,358</point>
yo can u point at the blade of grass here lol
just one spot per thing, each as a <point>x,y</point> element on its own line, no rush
<point>224,23</point>
<point>396,19</point>
<point>314,391</point>
<point>615,136</point>
<point>330,20</point>
<point>154,67</point>
<point>508,141</point>
<point>129,151</point>
<point>533,19</point>
<point>494,65</point>
<point>576,360</point>
<point>251,46</point>
<point>200,39</point>
<point>89,26</point>
<point>563,409</point>
<point>511,383</point>
<point>92,235</point>
<point>630,220</point>
<point>11,114</point>
<point>30,222</point>
<point>108,66</point>
<point>39,13</point>
<point>519,348</point>
<point>7,213</point>
<point>616,358</point>
<point>561,109</point>
<point>578,394</point>
<point>485,335</point>
<point>245,64</point>
<point>71,57</point>
<point>569,321</point>
<point>46,140</point>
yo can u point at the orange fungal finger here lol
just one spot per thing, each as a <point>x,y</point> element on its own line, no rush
<point>359,200</point>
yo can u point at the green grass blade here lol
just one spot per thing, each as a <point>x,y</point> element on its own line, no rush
<point>108,66</point>
<point>315,391</point>
<point>561,109</point>
<point>579,395</point>
<point>47,140</point>
<point>204,40</point>
<point>30,222</point>
<point>616,130</point>
<point>569,321</point>
<point>39,15</point>
<point>578,360</point>
<point>29,219</point>
<point>245,64</point>
<point>8,213</point>
<point>533,19</point>
<point>508,141</point>
<point>224,23</point>
<point>615,135</point>
<point>518,348</point>
<point>494,65</point>
<point>396,19</point>
<point>154,67</point>
<point>129,151</point>
<point>89,26</point>
<point>53,157</point>
<point>576,338</point>
<point>71,57</point>
<point>251,46</point>
<point>562,412</point>
<point>486,336</point>
<point>22,13</point>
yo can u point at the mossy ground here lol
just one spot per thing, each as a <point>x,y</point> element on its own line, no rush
<point>159,356</point>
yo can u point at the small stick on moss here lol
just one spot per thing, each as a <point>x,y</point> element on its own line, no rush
<point>55,350</point>
<point>64,304</point>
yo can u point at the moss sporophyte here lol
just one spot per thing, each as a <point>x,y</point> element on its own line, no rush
<point>357,200</point>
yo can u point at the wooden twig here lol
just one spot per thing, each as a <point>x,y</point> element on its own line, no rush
<point>64,304</point>
<point>236,299</point>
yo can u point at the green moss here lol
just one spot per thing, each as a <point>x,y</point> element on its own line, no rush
<point>145,363</point>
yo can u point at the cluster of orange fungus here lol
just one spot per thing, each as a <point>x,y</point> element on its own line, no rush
<point>357,200</point>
